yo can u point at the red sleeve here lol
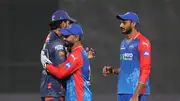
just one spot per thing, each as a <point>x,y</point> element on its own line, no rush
<point>72,64</point>
<point>145,60</point>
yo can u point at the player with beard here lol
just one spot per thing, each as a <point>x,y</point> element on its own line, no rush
<point>52,88</point>
<point>76,66</point>
<point>135,62</point>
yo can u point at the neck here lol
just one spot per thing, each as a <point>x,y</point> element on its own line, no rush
<point>131,35</point>
<point>77,44</point>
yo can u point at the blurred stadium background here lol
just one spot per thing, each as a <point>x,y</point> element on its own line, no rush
<point>24,26</point>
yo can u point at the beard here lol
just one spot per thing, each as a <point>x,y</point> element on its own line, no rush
<point>128,31</point>
<point>68,44</point>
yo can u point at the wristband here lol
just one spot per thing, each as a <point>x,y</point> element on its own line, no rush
<point>111,70</point>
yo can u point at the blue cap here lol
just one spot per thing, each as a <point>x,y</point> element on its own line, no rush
<point>72,29</point>
<point>61,15</point>
<point>129,16</point>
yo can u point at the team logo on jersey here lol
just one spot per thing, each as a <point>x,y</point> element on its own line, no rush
<point>131,46</point>
<point>68,65</point>
<point>146,53</point>
<point>122,47</point>
<point>49,85</point>
<point>61,54</point>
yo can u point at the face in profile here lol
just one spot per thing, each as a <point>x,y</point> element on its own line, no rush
<point>70,40</point>
<point>126,26</point>
<point>64,24</point>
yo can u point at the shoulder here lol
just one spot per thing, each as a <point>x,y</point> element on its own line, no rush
<point>76,57</point>
<point>143,40</point>
<point>58,41</point>
<point>123,41</point>
<point>77,53</point>
<point>56,45</point>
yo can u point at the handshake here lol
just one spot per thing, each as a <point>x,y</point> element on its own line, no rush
<point>44,59</point>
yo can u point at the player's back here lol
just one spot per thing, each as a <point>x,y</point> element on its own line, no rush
<point>78,85</point>
<point>130,64</point>
<point>55,50</point>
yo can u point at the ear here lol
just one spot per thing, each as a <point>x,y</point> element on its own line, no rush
<point>133,24</point>
<point>76,37</point>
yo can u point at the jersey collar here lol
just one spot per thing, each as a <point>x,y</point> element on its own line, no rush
<point>134,36</point>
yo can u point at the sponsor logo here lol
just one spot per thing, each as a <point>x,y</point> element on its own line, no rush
<point>126,56</point>
<point>122,47</point>
<point>146,53</point>
<point>144,43</point>
<point>58,47</point>
<point>68,65</point>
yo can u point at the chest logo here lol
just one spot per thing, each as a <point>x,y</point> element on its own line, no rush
<point>122,47</point>
<point>131,46</point>
<point>68,65</point>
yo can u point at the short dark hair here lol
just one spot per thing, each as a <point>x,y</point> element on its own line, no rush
<point>80,38</point>
<point>55,24</point>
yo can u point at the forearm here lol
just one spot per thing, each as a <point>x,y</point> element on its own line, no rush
<point>139,89</point>
<point>54,71</point>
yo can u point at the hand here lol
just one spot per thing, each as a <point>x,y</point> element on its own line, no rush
<point>106,70</point>
<point>134,98</point>
<point>44,59</point>
<point>90,53</point>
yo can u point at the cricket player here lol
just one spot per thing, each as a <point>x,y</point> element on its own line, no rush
<point>52,88</point>
<point>76,67</point>
<point>135,62</point>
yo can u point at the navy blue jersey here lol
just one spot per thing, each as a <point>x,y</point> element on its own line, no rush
<point>55,51</point>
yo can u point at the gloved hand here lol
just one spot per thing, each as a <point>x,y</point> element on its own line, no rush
<point>44,59</point>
